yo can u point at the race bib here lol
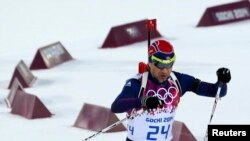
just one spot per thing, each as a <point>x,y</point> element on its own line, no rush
<point>149,127</point>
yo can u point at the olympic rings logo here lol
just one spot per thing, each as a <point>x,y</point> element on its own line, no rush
<point>166,95</point>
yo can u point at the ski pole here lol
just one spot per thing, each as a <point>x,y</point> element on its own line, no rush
<point>144,82</point>
<point>217,97</point>
<point>150,25</point>
<point>106,129</point>
<point>114,125</point>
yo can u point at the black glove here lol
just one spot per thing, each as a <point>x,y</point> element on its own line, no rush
<point>152,102</point>
<point>224,75</point>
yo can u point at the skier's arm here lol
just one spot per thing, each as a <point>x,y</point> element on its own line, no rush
<point>209,89</point>
<point>128,98</point>
<point>202,88</point>
<point>224,76</point>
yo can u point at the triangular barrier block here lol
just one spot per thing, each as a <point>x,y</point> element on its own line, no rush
<point>16,86</point>
<point>96,118</point>
<point>23,74</point>
<point>181,132</point>
<point>29,106</point>
<point>226,13</point>
<point>50,56</point>
<point>127,34</point>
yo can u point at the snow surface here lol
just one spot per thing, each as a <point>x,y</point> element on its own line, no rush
<point>97,75</point>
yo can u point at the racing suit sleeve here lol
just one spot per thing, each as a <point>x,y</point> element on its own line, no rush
<point>128,98</point>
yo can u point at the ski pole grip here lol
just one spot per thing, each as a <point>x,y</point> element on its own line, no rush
<point>220,84</point>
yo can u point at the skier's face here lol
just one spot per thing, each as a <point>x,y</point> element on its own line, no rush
<point>160,74</point>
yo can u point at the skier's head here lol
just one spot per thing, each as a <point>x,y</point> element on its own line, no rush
<point>161,54</point>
